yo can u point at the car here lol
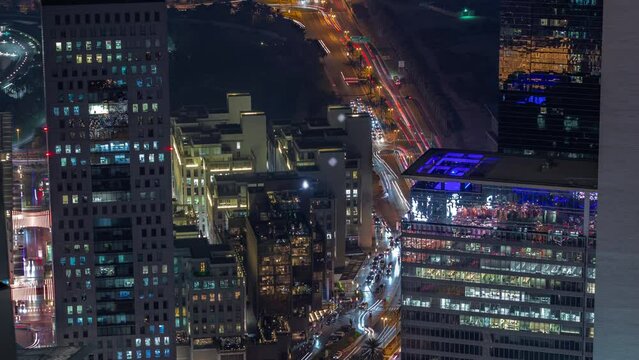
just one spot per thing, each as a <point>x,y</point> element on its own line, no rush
<point>363,306</point>
<point>377,278</point>
<point>390,265</point>
<point>339,333</point>
<point>388,272</point>
<point>334,338</point>
<point>337,355</point>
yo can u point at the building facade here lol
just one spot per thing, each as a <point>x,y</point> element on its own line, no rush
<point>6,184</point>
<point>335,151</point>
<point>210,303</point>
<point>107,109</point>
<point>499,264</point>
<point>617,316</point>
<point>549,77</point>
<point>210,144</point>
<point>288,268</point>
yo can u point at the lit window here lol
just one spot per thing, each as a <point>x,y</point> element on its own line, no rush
<point>107,44</point>
<point>161,157</point>
<point>145,107</point>
<point>89,59</point>
<point>141,158</point>
<point>65,199</point>
<point>58,46</point>
<point>58,149</point>
<point>75,199</point>
<point>135,108</point>
<point>238,145</point>
<point>69,46</point>
<point>151,158</point>
<point>98,58</point>
<point>63,162</point>
<point>118,44</point>
<point>78,59</point>
<point>202,267</point>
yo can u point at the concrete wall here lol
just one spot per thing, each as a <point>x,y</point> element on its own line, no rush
<point>617,294</point>
<point>331,173</point>
<point>255,139</point>
<point>237,103</point>
<point>358,127</point>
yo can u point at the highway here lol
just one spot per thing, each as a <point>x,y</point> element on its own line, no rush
<point>376,319</point>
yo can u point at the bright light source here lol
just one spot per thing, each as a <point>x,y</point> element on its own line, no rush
<point>305,184</point>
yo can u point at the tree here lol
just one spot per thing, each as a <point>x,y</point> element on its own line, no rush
<point>372,350</point>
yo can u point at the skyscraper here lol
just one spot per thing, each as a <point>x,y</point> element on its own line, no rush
<point>498,258</point>
<point>107,106</point>
<point>549,65</point>
<point>617,270</point>
<point>8,341</point>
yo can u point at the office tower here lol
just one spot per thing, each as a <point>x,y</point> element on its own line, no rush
<point>8,340</point>
<point>549,72</point>
<point>498,257</point>
<point>107,108</point>
<point>617,271</point>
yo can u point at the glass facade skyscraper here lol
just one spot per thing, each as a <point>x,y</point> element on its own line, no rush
<point>499,264</point>
<point>107,109</point>
<point>549,77</point>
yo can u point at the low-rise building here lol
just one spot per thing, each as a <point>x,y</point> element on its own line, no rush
<point>210,303</point>
<point>210,143</point>
<point>336,150</point>
<point>288,268</point>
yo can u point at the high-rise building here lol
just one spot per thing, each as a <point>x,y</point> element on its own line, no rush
<point>549,72</point>
<point>8,341</point>
<point>107,109</point>
<point>498,258</point>
<point>617,270</point>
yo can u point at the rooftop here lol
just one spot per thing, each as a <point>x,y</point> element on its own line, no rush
<point>499,169</point>
<point>200,248</point>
